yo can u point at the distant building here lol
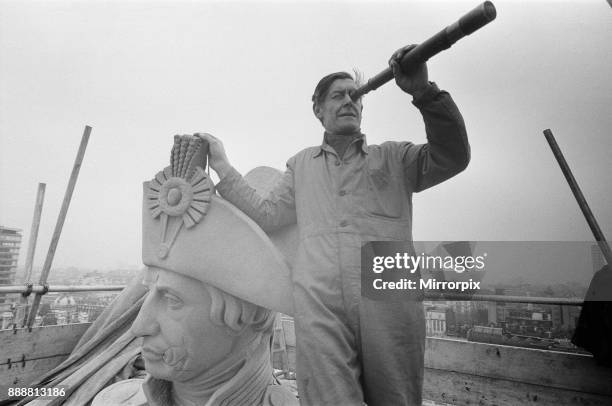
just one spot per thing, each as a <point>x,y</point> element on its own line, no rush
<point>63,301</point>
<point>565,317</point>
<point>6,320</point>
<point>82,317</point>
<point>64,307</point>
<point>435,322</point>
<point>492,313</point>
<point>10,243</point>
<point>462,310</point>
<point>21,313</point>
<point>485,334</point>
<point>92,311</point>
<point>529,321</point>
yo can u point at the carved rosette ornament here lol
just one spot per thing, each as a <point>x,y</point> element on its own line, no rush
<point>180,194</point>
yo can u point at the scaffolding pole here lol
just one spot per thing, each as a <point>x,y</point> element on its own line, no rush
<point>60,223</point>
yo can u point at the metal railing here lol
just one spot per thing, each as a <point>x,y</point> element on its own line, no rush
<point>505,299</point>
<point>25,290</point>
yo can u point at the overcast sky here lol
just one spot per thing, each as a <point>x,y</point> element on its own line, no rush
<point>139,72</point>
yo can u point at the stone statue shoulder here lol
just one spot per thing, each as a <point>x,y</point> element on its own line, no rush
<point>123,393</point>
<point>279,395</point>
<point>130,393</point>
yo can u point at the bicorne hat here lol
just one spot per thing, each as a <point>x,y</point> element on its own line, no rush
<point>188,229</point>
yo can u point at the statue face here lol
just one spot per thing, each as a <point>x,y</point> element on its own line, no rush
<point>180,341</point>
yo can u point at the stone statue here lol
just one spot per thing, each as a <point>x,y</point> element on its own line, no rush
<point>201,346</point>
<point>206,304</point>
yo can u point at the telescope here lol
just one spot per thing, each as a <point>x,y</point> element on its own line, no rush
<point>470,22</point>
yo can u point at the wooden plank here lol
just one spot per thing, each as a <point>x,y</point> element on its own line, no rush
<point>95,372</point>
<point>464,389</point>
<point>550,369</point>
<point>539,367</point>
<point>458,372</point>
<point>27,355</point>
<point>42,342</point>
<point>21,375</point>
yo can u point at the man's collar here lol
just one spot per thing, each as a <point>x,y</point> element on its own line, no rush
<point>363,144</point>
<point>361,140</point>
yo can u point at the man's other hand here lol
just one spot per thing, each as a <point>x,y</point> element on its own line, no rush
<point>414,82</point>
<point>216,154</point>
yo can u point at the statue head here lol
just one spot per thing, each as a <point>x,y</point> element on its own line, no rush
<point>188,326</point>
<point>215,280</point>
<point>188,229</point>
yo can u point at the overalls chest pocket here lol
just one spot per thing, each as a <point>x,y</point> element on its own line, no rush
<point>384,192</point>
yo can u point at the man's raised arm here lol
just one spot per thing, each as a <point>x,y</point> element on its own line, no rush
<point>270,212</point>
<point>447,151</point>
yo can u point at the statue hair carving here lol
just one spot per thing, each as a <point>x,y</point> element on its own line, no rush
<point>238,314</point>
